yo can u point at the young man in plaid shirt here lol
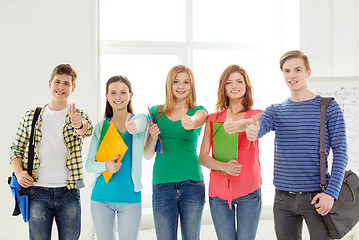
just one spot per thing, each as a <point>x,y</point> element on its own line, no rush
<point>58,174</point>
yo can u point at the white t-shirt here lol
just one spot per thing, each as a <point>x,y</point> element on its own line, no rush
<point>52,150</point>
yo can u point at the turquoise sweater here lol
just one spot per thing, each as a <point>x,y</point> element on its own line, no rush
<point>93,166</point>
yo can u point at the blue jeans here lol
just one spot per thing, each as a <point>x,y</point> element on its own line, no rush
<point>61,204</point>
<point>183,199</point>
<point>128,220</point>
<point>247,209</point>
<point>290,209</point>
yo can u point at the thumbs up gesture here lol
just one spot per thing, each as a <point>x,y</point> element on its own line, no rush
<point>112,165</point>
<point>76,118</point>
<point>187,122</point>
<point>253,129</point>
<point>229,125</point>
<point>130,124</point>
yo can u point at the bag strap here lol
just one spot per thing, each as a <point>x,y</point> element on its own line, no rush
<point>323,106</point>
<point>30,162</point>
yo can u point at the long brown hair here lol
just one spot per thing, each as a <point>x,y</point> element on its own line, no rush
<point>109,110</point>
<point>223,100</point>
<point>168,107</point>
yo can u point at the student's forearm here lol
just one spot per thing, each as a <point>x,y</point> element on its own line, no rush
<point>211,163</point>
<point>199,118</point>
<point>197,122</point>
<point>17,165</point>
<point>242,124</point>
<point>149,149</point>
<point>83,130</point>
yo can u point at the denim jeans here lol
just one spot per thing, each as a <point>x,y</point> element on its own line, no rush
<point>247,209</point>
<point>128,220</point>
<point>61,204</point>
<point>181,199</point>
<point>290,209</point>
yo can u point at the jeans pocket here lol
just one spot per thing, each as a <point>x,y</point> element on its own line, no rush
<point>196,183</point>
<point>75,193</point>
<point>156,186</point>
<point>312,195</point>
<point>33,191</point>
<point>256,193</point>
<point>278,196</point>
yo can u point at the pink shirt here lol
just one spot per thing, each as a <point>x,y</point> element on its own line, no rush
<point>230,187</point>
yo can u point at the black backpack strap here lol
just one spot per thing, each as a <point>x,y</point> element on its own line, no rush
<point>323,106</point>
<point>32,142</point>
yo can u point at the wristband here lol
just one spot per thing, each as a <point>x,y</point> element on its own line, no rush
<point>82,125</point>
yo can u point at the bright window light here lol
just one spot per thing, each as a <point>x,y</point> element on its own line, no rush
<point>143,20</point>
<point>143,39</point>
<point>234,21</point>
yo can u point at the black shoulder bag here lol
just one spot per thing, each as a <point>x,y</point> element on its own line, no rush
<point>21,194</point>
<point>345,212</point>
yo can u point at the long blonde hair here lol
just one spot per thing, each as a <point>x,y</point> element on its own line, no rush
<point>169,106</point>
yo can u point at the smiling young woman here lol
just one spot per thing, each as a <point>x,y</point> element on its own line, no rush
<point>121,195</point>
<point>235,184</point>
<point>178,188</point>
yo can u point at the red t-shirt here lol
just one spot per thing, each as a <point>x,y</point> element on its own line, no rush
<point>230,187</point>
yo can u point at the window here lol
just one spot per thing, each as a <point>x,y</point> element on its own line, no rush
<point>140,20</point>
<point>143,39</point>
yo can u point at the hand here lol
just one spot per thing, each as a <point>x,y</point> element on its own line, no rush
<point>187,122</point>
<point>112,165</point>
<point>130,124</point>
<point>233,167</point>
<point>323,203</point>
<point>24,179</point>
<point>76,118</point>
<point>229,124</point>
<point>153,130</point>
<point>252,130</point>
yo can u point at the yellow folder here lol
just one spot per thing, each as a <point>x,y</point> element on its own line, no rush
<point>111,146</point>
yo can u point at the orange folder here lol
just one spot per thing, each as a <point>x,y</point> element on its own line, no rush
<point>111,146</point>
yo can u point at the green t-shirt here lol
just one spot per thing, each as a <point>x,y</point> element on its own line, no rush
<point>179,162</point>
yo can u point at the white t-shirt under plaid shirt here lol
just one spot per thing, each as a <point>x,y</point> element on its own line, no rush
<point>53,152</point>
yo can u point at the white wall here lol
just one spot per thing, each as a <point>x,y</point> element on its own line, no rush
<point>36,36</point>
<point>330,36</point>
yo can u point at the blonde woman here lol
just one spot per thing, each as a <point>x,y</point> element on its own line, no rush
<point>178,188</point>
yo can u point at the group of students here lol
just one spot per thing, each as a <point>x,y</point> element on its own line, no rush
<point>178,190</point>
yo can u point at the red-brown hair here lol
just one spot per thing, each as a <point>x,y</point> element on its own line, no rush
<point>223,100</point>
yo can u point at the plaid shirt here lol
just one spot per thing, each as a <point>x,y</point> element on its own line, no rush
<point>73,142</point>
